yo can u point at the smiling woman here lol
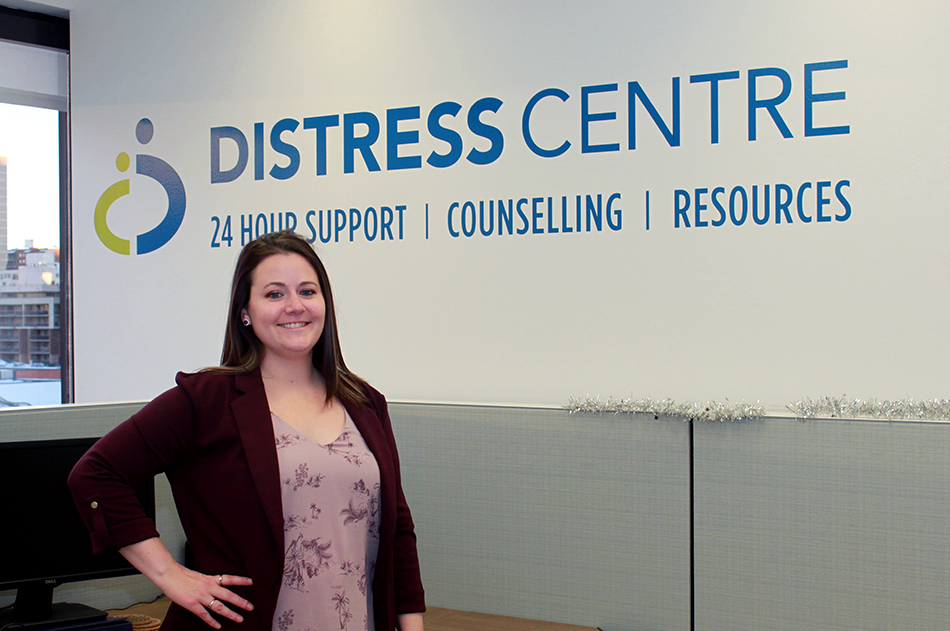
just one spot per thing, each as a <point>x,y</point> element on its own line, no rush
<point>283,465</point>
<point>286,307</point>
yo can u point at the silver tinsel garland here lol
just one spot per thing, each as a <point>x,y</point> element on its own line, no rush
<point>843,407</point>
<point>824,407</point>
<point>690,410</point>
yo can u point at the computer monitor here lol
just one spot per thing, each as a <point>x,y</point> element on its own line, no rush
<point>43,542</point>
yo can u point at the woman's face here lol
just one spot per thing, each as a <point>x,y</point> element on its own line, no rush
<point>286,306</point>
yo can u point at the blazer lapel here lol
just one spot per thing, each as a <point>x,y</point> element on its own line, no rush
<point>252,416</point>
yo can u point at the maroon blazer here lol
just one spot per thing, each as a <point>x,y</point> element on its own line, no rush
<point>213,438</point>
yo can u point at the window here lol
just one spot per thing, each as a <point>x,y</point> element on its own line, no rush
<point>35,315</point>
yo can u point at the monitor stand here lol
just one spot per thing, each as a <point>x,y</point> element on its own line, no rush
<point>34,609</point>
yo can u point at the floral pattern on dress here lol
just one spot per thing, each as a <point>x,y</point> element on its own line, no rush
<point>342,605</point>
<point>349,568</point>
<point>363,505</point>
<point>331,502</point>
<point>302,477</point>
<point>286,440</point>
<point>293,522</point>
<point>285,620</point>
<point>305,557</point>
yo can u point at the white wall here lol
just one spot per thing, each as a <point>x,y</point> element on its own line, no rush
<point>769,312</point>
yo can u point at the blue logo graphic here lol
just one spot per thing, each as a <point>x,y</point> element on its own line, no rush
<point>161,172</point>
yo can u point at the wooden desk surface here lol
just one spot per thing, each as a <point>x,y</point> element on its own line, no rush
<point>436,619</point>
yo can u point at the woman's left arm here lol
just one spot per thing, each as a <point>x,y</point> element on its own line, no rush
<point>410,622</point>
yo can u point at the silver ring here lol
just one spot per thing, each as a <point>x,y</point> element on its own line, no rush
<point>211,604</point>
<point>220,578</point>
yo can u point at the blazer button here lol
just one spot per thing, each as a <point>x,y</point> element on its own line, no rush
<point>94,505</point>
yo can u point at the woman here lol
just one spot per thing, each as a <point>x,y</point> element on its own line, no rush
<point>283,466</point>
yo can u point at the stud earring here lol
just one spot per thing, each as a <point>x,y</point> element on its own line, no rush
<point>246,321</point>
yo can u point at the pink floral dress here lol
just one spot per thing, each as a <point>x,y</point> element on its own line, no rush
<point>330,496</point>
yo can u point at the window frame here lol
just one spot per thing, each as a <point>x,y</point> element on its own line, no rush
<point>52,32</point>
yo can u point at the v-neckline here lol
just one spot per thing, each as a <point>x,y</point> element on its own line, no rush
<point>346,422</point>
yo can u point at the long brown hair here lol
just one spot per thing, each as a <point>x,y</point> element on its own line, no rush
<point>243,351</point>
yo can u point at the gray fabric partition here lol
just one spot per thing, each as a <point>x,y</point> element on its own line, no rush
<point>820,525</point>
<point>540,514</point>
<point>523,512</point>
<point>586,519</point>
